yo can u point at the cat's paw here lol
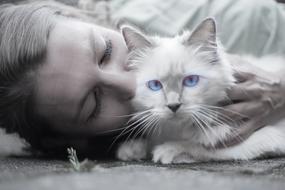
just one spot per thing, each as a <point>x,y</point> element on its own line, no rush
<point>184,158</point>
<point>167,153</point>
<point>132,150</point>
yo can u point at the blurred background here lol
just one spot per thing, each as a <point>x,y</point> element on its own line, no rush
<point>244,26</point>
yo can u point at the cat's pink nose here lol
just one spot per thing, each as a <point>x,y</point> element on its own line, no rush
<point>174,107</point>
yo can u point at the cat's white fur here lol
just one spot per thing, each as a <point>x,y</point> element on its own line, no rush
<point>175,137</point>
<point>11,144</point>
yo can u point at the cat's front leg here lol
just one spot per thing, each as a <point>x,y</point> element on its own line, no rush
<point>171,152</point>
<point>133,150</point>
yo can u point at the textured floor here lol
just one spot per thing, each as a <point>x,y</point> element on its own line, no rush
<point>35,174</point>
<point>40,174</point>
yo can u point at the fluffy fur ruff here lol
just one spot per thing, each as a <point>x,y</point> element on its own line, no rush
<point>185,135</point>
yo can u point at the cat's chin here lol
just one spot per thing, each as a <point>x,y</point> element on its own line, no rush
<point>177,121</point>
<point>174,116</point>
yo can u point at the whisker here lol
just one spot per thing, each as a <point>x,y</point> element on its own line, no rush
<point>199,124</point>
<point>206,114</point>
<point>149,129</point>
<point>145,126</point>
<point>153,128</point>
<point>227,110</point>
<point>224,122</point>
<point>137,114</point>
<point>128,128</point>
<point>209,126</point>
<point>127,115</point>
<point>111,130</point>
<point>202,107</point>
<point>219,116</point>
<point>124,127</point>
<point>139,125</point>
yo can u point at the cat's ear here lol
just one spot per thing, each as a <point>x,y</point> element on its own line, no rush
<point>134,38</point>
<point>204,34</point>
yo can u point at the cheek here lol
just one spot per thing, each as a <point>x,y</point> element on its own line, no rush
<point>147,99</point>
<point>208,91</point>
<point>215,93</point>
<point>113,114</point>
<point>195,95</point>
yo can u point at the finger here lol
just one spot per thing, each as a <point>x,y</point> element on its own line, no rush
<point>256,74</point>
<point>246,110</point>
<point>242,133</point>
<point>244,91</point>
<point>242,76</point>
<point>250,127</point>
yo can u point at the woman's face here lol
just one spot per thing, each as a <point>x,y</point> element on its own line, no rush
<point>84,86</point>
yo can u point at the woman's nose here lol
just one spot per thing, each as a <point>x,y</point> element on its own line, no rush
<point>122,84</point>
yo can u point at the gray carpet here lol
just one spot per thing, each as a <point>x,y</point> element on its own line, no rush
<point>38,174</point>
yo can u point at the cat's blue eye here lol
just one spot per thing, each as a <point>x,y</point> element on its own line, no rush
<point>154,85</point>
<point>191,80</point>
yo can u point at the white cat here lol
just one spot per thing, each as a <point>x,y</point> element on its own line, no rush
<point>180,83</point>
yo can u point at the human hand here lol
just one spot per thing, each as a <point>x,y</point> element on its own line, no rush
<point>256,95</point>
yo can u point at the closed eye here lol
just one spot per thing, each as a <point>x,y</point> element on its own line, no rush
<point>107,52</point>
<point>97,106</point>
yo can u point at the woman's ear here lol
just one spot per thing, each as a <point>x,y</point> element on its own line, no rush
<point>204,34</point>
<point>134,38</point>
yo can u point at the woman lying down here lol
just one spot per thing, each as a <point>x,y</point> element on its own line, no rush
<point>65,82</point>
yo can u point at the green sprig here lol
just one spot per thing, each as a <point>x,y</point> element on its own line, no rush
<point>84,166</point>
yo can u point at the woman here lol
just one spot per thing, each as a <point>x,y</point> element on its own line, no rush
<point>56,71</point>
<point>63,80</point>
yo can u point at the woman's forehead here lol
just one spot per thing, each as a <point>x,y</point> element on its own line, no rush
<point>70,28</point>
